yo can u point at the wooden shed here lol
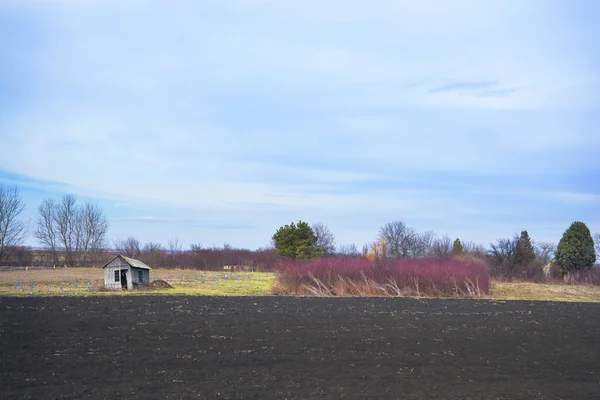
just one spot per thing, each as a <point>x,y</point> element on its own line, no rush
<point>552,269</point>
<point>124,273</point>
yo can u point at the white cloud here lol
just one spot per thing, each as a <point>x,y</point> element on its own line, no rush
<point>212,105</point>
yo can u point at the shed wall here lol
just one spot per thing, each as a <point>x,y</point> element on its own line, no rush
<point>135,276</point>
<point>109,274</point>
<point>109,277</point>
<point>129,279</point>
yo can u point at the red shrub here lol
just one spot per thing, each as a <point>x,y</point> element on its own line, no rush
<point>357,276</point>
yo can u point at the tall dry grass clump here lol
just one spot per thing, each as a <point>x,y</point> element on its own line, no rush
<point>358,276</point>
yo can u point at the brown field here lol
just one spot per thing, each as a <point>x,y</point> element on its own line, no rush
<point>191,282</point>
<point>543,291</point>
<point>184,282</point>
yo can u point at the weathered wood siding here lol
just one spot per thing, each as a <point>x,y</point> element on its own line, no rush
<point>109,274</point>
<point>135,273</point>
<point>552,269</point>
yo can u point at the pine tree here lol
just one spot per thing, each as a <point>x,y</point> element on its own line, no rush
<point>575,250</point>
<point>297,241</point>
<point>525,252</point>
<point>457,248</point>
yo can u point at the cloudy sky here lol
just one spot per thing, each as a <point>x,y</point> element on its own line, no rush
<point>219,121</point>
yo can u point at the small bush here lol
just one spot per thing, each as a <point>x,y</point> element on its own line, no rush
<point>358,276</point>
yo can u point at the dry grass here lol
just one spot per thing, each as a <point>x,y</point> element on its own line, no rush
<point>184,282</point>
<point>214,283</point>
<point>543,291</point>
<point>360,277</point>
<point>367,287</point>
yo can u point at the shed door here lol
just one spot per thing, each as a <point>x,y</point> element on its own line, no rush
<point>124,279</point>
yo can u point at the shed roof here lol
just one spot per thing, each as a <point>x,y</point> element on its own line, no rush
<point>131,261</point>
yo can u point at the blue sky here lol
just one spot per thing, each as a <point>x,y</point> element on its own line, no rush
<point>220,121</point>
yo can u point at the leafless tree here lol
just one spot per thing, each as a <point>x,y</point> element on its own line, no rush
<point>13,232</point>
<point>325,238</point>
<point>422,244</point>
<point>400,239</point>
<point>441,247</point>
<point>152,247</point>
<point>129,247</point>
<point>348,250</point>
<point>365,250</point>
<point>544,251</point>
<point>503,256</point>
<point>196,248</point>
<point>45,230</point>
<point>175,245</point>
<point>92,227</point>
<point>66,219</point>
<point>472,247</point>
<point>597,243</point>
<point>74,230</point>
<point>154,254</point>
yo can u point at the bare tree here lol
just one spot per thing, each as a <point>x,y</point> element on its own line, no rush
<point>152,247</point>
<point>348,250</point>
<point>544,251</point>
<point>365,250</point>
<point>129,247</point>
<point>92,227</point>
<point>325,238</point>
<point>597,243</point>
<point>66,220</point>
<point>441,247</point>
<point>175,245</point>
<point>71,229</point>
<point>45,230</point>
<point>12,231</point>
<point>400,239</point>
<point>474,248</point>
<point>422,244</point>
<point>96,227</point>
<point>196,248</point>
<point>503,256</point>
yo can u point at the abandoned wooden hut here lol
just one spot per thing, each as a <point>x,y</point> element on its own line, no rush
<point>124,273</point>
<point>552,269</point>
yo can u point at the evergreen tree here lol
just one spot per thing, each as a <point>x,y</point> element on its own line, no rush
<point>575,250</point>
<point>525,252</point>
<point>297,241</point>
<point>457,247</point>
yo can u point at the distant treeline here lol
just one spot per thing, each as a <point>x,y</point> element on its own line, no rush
<point>200,258</point>
<point>74,234</point>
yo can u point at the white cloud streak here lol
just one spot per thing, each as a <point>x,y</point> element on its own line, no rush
<point>296,105</point>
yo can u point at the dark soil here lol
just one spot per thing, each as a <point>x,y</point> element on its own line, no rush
<point>163,347</point>
<point>158,284</point>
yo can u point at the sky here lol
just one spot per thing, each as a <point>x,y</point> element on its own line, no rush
<point>219,121</point>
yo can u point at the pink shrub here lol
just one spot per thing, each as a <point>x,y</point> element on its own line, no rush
<point>357,276</point>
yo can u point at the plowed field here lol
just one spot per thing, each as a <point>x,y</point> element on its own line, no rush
<point>170,347</point>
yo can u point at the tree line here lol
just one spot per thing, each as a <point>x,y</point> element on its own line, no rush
<point>75,234</point>
<point>517,256</point>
